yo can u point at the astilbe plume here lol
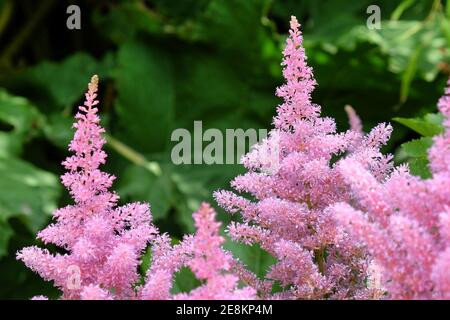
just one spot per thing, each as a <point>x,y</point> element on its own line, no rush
<point>292,178</point>
<point>202,253</point>
<point>405,221</point>
<point>103,242</point>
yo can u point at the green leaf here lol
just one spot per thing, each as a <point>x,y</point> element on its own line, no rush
<point>447,9</point>
<point>409,73</point>
<point>241,20</point>
<point>400,41</point>
<point>58,129</point>
<point>146,260</point>
<point>404,5</point>
<point>333,31</point>
<point>201,78</point>
<point>66,81</point>
<point>445,26</point>
<point>419,167</point>
<point>435,118</point>
<point>20,120</point>
<point>19,282</point>
<point>28,193</point>
<point>146,98</point>
<point>428,126</point>
<point>124,20</point>
<point>139,184</point>
<point>5,234</point>
<point>417,156</point>
<point>185,281</point>
<point>417,148</point>
<point>255,258</point>
<point>195,184</point>
<point>247,29</point>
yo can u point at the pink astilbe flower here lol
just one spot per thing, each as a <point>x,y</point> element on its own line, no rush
<point>354,120</point>
<point>405,221</point>
<point>94,292</point>
<point>300,82</point>
<point>101,243</point>
<point>293,178</point>
<point>203,254</point>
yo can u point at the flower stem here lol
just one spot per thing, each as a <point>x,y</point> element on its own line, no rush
<point>319,257</point>
<point>133,156</point>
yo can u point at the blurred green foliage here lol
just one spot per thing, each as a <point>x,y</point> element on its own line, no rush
<point>164,64</point>
<point>415,152</point>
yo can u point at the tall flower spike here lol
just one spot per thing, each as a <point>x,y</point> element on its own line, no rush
<point>299,82</point>
<point>203,254</point>
<point>293,179</point>
<point>354,120</point>
<point>102,242</point>
<point>211,263</point>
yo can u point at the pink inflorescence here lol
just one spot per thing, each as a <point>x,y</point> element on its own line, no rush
<point>202,253</point>
<point>103,242</point>
<point>293,179</point>
<point>340,220</point>
<point>405,221</point>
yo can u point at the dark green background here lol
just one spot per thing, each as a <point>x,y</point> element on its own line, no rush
<point>164,64</point>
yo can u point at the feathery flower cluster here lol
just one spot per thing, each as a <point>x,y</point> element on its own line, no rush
<point>405,221</point>
<point>340,220</point>
<point>102,243</point>
<point>203,254</point>
<point>293,179</point>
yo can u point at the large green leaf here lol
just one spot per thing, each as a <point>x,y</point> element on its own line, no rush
<point>428,126</point>
<point>27,193</point>
<point>195,184</point>
<point>416,44</point>
<point>126,19</point>
<point>185,281</point>
<point>243,103</point>
<point>66,81</point>
<point>416,152</point>
<point>401,40</point>
<point>58,129</point>
<point>5,234</point>
<point>329,30</point>
<point>20,119</point>
<point>139,184</point>
<point>242,19</point>
<point>256,259</point>
<point>145,103</point>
